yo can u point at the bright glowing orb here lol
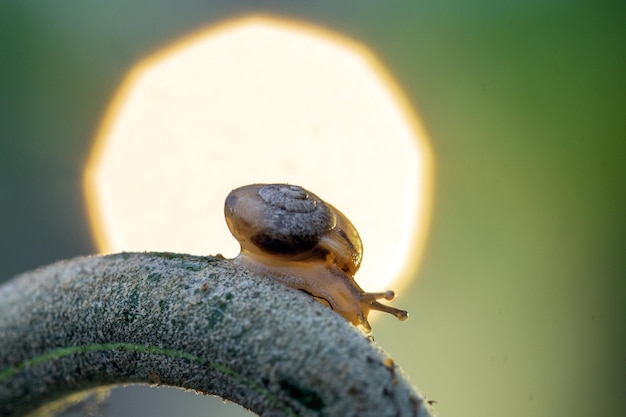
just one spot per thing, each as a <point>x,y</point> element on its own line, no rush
<point>260,100</point>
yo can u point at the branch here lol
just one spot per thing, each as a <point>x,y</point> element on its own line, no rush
<point>198,323</point>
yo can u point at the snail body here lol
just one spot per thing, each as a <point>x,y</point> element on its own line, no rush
<point>292,235</point>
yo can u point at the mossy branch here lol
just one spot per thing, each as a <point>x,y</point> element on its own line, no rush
<point>198,323</point>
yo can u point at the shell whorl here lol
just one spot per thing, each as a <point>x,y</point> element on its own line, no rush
<point>288,197</point>
<point>277,218</point>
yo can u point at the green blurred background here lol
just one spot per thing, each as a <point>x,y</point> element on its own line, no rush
<point>518,308</point>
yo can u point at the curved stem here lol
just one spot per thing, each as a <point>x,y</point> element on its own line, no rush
<point>192,322</point>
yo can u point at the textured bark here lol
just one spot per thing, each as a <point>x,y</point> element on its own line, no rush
<point>192,322</point>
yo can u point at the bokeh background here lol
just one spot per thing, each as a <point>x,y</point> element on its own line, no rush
<point>518,306</point>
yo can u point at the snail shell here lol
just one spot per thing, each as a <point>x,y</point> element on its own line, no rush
<point>294,236</point>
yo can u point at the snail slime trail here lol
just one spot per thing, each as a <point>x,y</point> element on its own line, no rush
<point>295,237</point>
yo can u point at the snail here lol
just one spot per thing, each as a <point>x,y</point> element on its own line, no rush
<point>295,237</point>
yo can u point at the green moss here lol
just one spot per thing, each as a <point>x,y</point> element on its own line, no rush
<point>194,266</point>
<point>155,277</point>
<point>129,313</point>
<point>306,397</point>
<point>168,255</point>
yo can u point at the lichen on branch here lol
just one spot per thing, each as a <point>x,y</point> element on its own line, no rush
<point>192,322</point>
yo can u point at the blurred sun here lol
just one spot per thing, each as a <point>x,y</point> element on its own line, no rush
<point>255,100</point>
